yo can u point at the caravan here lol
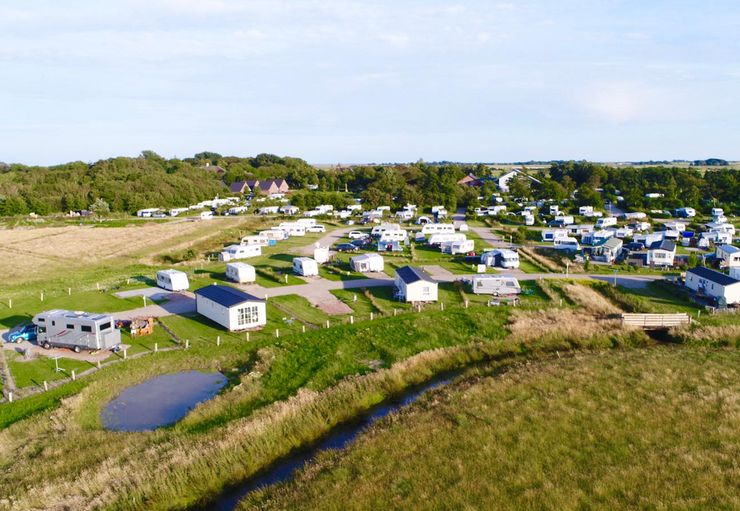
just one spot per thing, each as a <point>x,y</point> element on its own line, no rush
<point>393,235</point>
<point>607,221</point>
<point>367,263</point>
<point>553,234</point>
<point>242,273</point>
<point>457,247</point>
<point>496,285</point>
<point>438,239</point>
<point>292,228</point>
<point>305,267</point>
<point>257,240</point>
<point>172,280</point>
<point>274,234</point>
<point>438,229</point>
<point>502,257</point>
<point>240,252</point>
<point>566,243</point>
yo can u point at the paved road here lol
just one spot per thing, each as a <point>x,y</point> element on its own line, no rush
<point>328,240</point>
<point>487,235</point>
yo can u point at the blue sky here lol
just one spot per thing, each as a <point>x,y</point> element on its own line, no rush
<point>370,81</point>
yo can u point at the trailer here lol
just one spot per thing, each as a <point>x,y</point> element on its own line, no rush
<point>173,280</point>
<point>240,252</point>
<point>76,330</point>
<point>438,229</point>
<point>496,285</point>
<point>258,240</point>
<point>458,247</point>
<point>274,234</point>
<point>438,239</point>
<point>305,266</point>
<point>502,257</point>
<point>242,273</point>
<point>367,263</point>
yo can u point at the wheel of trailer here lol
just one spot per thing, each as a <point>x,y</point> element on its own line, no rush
<point>76,349</point>
<point>47,346</point>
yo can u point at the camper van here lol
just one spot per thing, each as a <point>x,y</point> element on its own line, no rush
<point>496,285</point>
<point>607,221</point>
<point>242,273</point>
<point>172,280</point>
<point>502,257</point>
<point>305,266</point>
<point>566,243</point>
<point>76,330</point>
<point>437,229</point>
<point>240,252</point>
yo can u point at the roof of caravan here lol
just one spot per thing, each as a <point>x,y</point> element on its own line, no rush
<point>226,295</point>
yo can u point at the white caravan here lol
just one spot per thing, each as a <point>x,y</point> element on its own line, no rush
<point>242,273</point>
<point>172,280</point>
<point>240,252</point>
<point>305,266</point>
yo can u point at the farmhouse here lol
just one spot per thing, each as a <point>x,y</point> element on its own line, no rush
<point>367,263</point>
<point>714,284</point>
<point>415,285</point>
<point>230,308</point>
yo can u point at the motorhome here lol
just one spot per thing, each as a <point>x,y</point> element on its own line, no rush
<point>566,243</point>
<point>496,285</point>
<point>437,228</point>
<point>305,266</point>
<point>233,252</point>
<point>76,330</point>
<point>502,257</point>
<point>172,280</point>
<point>438,239</point>
<point>607,221</point>
<point>242,273</point>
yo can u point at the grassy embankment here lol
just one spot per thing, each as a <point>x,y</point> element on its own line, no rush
<point>635,429</point>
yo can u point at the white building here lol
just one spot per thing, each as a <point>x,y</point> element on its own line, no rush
<point>231,308</point>
<point>233,252</point>
<point>242,273</point>
<point>553,234</point>
<point>503,181</point>
<point>173,280</point>
<point>714,284</point>
<point>728,255</point>
<point>364,263</point>
<point>415,285</point>
<point>661,253</point>
<point>305,266</point>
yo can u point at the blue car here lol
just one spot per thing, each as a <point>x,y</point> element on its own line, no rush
<point>24,333</point>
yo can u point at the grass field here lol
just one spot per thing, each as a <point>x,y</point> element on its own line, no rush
<point>643,429</point>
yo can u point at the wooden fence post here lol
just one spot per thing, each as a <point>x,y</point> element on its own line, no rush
<point>46,385</point>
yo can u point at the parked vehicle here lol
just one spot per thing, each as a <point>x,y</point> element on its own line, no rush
<point>316,228</point>
<point>172,280</point>
<point>356,235</point>
<point>347,247</point>
<point>26,332</point>
<point>76,330</point>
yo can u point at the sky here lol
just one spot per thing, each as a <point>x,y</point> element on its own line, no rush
<point>358,81</point>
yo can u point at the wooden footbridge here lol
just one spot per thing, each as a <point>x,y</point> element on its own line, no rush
<point>655,321</point>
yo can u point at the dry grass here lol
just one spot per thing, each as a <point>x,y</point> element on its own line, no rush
<point>591,300</point>
<point>552,324</point>
<point>543,261</point>
<point>715,335</point>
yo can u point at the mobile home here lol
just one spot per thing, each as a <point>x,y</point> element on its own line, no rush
<point>367,263</point>
<point>566,243</point>
<point>457,247</point>
<point>292,228</point>
<point>714,284</point>
<point>242,273</point>
<point>76,330</point>
<point>437,229</point>
<point>415,285</point>
<point>240,252</point>
<point>173,280</point>
<point>231,308</point>
<point>305,266</point>
<point>728,255</point>
<point>496,285</point>
<point>393,235</point>
<point>378,230</point>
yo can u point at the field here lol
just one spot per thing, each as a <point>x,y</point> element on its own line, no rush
<point>642,429</point>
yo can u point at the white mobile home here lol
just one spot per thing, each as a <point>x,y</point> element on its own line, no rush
<point>661,253</point>
<point>242,273</point>
<point>306,222</point>
<point>233,252</point>
<point>173,280</point>
<point>607,251</point>
<point>378,230</point>
<point>415,285</point>
<point>565,220</point>
<point>292,228</point>
<point>566,243</point>
<point>321,254</point>
<point>305,266</point>
<point>438,239</point>
<point>237,210</point>
<point>367,263</point>
<point>635,215</point>
<point>585,210</point>
<point>437,228</point>
<point>231,308</point>
<point>147,213</point>
<point>714,284</point>
<point>728,255</point>
<point>496,285</point>
<point>76,330</point>
<point>502,257</point>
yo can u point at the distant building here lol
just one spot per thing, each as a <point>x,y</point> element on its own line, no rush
<point>503,181</point>
<point>728,256</point>
<point>607,251</point>
<point>469,180</point>
<point>661,253</point>
<point>239,187</point>
<point>269,186</point>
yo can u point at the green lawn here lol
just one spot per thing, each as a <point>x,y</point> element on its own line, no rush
<point>40,369</point>
<point>640,429</point>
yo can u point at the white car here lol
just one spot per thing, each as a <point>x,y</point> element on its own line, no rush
<point>316,228</point>
<point>356,235</point>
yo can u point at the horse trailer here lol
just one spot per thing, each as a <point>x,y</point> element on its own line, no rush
<point>76,330</point>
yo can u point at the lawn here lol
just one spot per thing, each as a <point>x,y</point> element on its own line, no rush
<point>642,429</point>
<point>40,369</point>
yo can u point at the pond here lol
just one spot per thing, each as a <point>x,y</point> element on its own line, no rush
<point>160,401</point>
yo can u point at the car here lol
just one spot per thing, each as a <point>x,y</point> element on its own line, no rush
<point>25,332</point>
<point>347,247</point>
<point>356,235</point>
<point>316,228</point>
<point>359,243</point>
<point>350,222</point>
